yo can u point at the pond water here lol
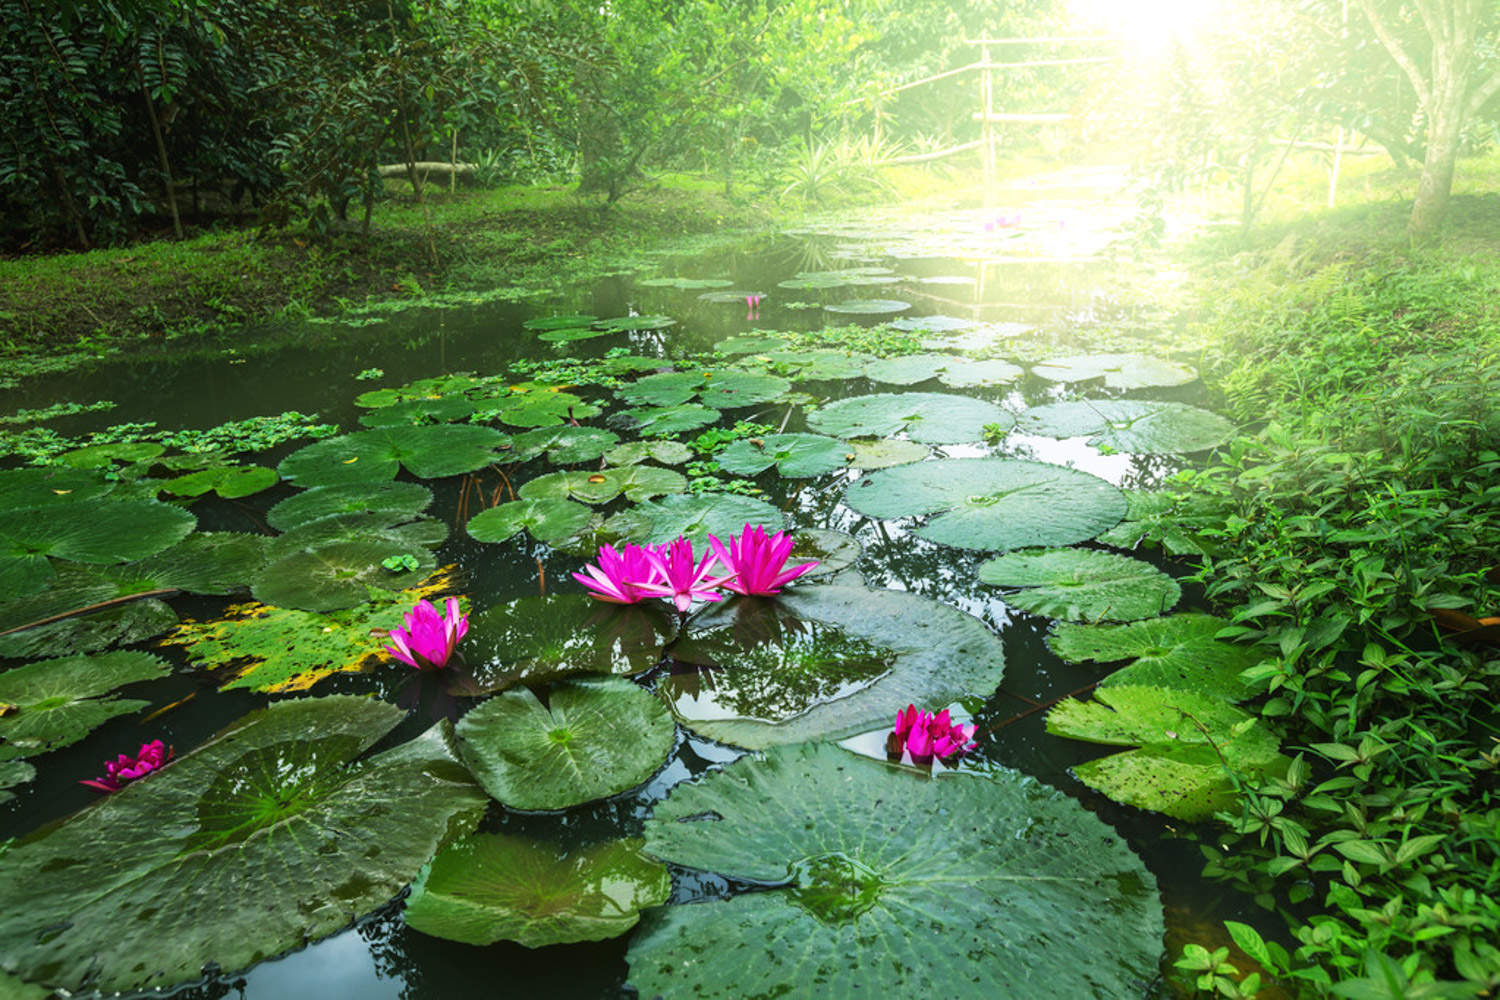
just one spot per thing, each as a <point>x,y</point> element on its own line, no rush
<point>1022,294</point>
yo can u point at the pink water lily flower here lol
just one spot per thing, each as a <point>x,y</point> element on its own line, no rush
<point>758,561</point>
<point>620,576</point>
<point>428,638</point>
<point>681,579</point>
<point>124,768</point>
<point>926,736</point>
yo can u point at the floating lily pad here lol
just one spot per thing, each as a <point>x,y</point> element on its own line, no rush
<point>749,344</point>
<point>61,701</point>
<point>231,482</point>
<point>663,388</point>
<point>932,324</point>
<point>97,456</point>
<point>889,883</point>
<point>684,284</point>
<point>563,445</point>
<point>492,887</point>
<point>886,452</point>
<point>537,404</point>
<point>587,487</point>
<point>1178,651</point>
<point>728,296</point>
<point>825,662</point>
<point>279,650</point>
<point>13,773</point>
<point>390,530</point>
<point>363,498</point>
<point>729,389</point>
<point>623,323</point>
<point>120,625</point>
<point>534,640</point>
<point>569,334</point>
<point>833,551</point>
<point>336,575</point>
<point>442,410</point>
<point>268,836</point>
<point>1159,514</point>
<point>928,417</point>
<point>991,503</point>
<point>868,307</point>
<point>547,520</point>
<point>796,456</point>
<point>663,420</point>
<point>93,531</point>
<point>1187,742</point>
<point>1119,371</point>
<point>1083,585</point>
<point>373,456</point>
<point>908,369</point>
<point>634,452</point>
<point>694,517</point>
<point>1131,425</point>
<point>42,487</point>
<point>594,738</point>
<point>964,373</point>
<point>823,364</point>
<point>558,322</point>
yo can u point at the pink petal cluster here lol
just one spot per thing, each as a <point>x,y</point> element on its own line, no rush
<point>125,768</point>
<point>754,563</point>
<point>758,561</point>
<point>1003,220</point>
<point>428,638</point>
<point>925,735</point>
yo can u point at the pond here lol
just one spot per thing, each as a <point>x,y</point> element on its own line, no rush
<point>909,400</point>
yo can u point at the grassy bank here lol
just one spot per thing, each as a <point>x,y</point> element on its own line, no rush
<point>1355,536</point>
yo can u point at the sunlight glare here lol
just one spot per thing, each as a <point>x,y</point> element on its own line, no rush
<point>1147,26</point>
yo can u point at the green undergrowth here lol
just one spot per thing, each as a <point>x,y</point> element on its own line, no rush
<point>1358,518</point>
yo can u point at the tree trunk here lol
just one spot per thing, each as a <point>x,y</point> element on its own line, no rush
<point>1431,205</point>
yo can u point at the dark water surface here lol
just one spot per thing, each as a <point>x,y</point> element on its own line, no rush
<point>313,370</point>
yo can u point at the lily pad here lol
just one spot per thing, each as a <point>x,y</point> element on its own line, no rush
<point>889,883</point>
<point>48,485</point>
<point>1083,585</point>
<point>442,410</point>
<point>268,836</point>
<point>833,551</point>
<point>1142,427</point>
<point>730,388</point>
<point>663,388</point>
<point>13,773</point>
<point>908,369</point>
<point>991,503</point>
<point>93,531</point>
<point>684,284</point>
<point>374,456</point>
<point>280,650</point>
<point>585,487</point>
<point>231,482</point>
<point>594,738</point>
<point>729,296</point>
<point>663,420</point>
<point>796,456</point>
<point>568,335</point>
<point>563,445</point>
<point>825,662</point>
<point>61,701</point>
<point>620,324</point>
<point>558,322</point>
<point>494,887</point>
<point>393,531</point>
<point>886,452</point>
<point>336,575</point>
<point>1160,516</point>
<point>1178,651</point>
<point>362,498</point>
<point>534,640</point>
<point>965,373</point>
<point>1187,744</point>
<point>537,404</point>
<point>635,452</point>
<point>120,625</point>
<point>868,307</point>
<point>694,517</point>
<point>748,343</point>
<point>1119,371</point>
<point>547,520</point>
<point>822,364</point>
<point>928,417</point>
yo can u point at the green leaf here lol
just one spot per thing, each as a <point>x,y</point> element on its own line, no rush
<point>268,836</point>
<point>61,701</point>
<point>122,625</point>
<point>564,445</point>
<point>965,373</point>
<point>333,576</point>
<point>1141,427</point>
<point>1178,651</point>
<point>824,662</point>
<point>928,417</point>
<point>229,481</point>
<point>1082,585</point>
<point>1119,371</point>
<point>908,369</point>
<point>406,536</point>
<point>634,452</point>
<point>663,420</point>
<point>991,503</point>
<point>93,531</point>
<point>374,456</point>
<point>492,887</point>
<point>886,452</point>
<point>384,499</point>
<point>693,517</point>
<point>796,456</point>
<point>558,322</point>
<point>594,738</point>
<point>548,520</point>
<point>868,307</point>
<point>882,882</point>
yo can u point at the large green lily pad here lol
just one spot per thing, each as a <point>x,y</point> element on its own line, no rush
<point>796,456</point>
<point>1187,743</point>
<point>547,520</point>
<point>1142,427</point>
<point>891,883</point>
<point>361,498</point>
<point>928,417</point>
<point>1083,585</point>
<point>825,662</point>
<point>533,640</point>
<point>393,531</point>
<point>992,503</point>
<point>493,887</point>
<point>620,324</point>
<point>964,373</point>
<point>336,575</point>
<point>908,369</point>
<point>822,364</point>
<point>538,404</point>
<point>92,531</point>
<point>13,773</point>
<point>833,551</point>
<point>1178,651</point>
<point>693,517</point>
<point>269,835</point>
<point>663,420</point>
<point>886,452</point>
<point>594,737</point>
<point>635,452</point>
<point>231,482</point>
<point>47,485</point>
<point>1119,371</point>
<point>61,701</point>
<point>868,307</point>
<point>118,625</point>
<point>563,445</point>
<point>559,322</point>
<point>374,456</point>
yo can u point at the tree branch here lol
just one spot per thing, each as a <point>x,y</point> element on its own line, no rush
<point>1482,95</point>
<point>1393,46</point>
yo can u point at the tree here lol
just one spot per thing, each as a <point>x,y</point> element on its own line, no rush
<point>1452,85</point>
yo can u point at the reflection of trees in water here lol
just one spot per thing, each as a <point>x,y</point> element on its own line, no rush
<point>765,664</point>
